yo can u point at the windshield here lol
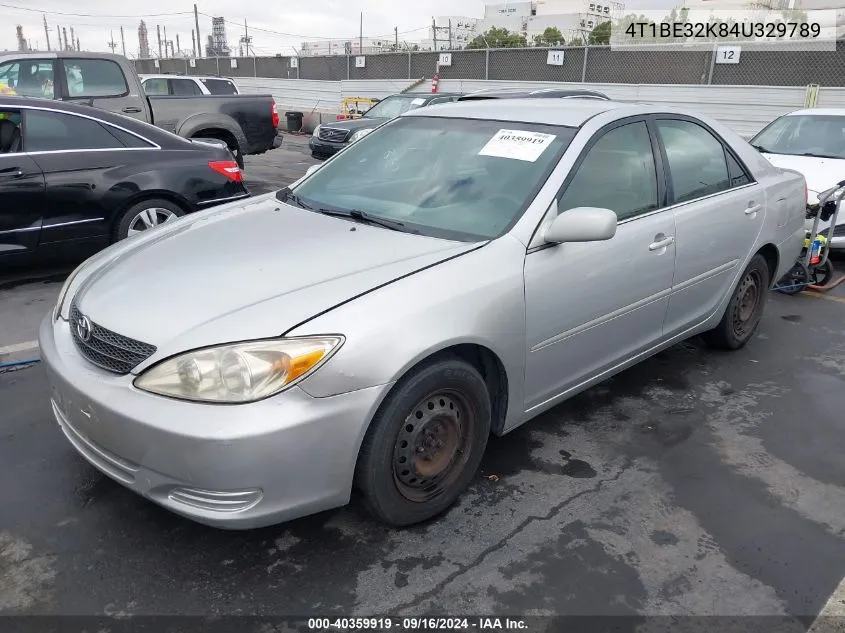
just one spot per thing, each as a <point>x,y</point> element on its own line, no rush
<point>804,135</point>
<point>393,107</point>
<point>457,179</point>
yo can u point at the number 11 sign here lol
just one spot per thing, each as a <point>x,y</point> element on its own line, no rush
<point>555,58</point>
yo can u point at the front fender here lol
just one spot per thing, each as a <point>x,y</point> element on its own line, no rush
<point>205,121</point>
<point>475,298</point>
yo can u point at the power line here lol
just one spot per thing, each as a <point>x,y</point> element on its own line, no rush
<point>93,15</point>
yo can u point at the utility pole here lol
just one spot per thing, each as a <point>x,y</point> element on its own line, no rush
<point>434,30</point>
<point>361,36</point>
<point>178,47</point>
<point>396,38</point>
<point>122,41</point>
<point>246,38</point>
<point>112,44</point>
<point>164,30</point>
<point>193,43</point>
<point>64,33</point>
<point>197,25</point>
<point>72,38</point>
<point>47,32</point>
<point>158,35</point>
<point>450,35</point>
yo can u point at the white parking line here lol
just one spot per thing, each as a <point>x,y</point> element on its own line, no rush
<point>19,347</point>
<point>831,618</point>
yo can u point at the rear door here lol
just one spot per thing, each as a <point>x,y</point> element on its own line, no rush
<point>102,83</point>
<point>184,88</point>
<point>719,212</point>
<point>21,191</point>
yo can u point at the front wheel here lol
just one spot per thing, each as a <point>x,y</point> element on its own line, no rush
<point>425,443</point>
<point>745,309</point>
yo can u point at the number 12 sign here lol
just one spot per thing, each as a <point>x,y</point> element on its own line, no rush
<point>555,58</point>
<point>727,54</point>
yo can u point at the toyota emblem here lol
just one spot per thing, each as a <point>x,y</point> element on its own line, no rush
<point>83,328</point>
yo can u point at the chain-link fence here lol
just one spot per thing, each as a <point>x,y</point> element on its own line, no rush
<point>752,64</point>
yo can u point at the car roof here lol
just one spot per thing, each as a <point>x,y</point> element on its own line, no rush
<point>819,112</point>
<point>180,76</point>
<point>567,112</point>
<point>60,55</point>
<point>550,93</point>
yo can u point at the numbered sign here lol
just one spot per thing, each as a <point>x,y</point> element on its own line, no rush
<point>294,62</point>
<point>193,63</point>
<point>445,59</point>
<point>234,62</point>
<point>555,58</point>
<point>360,62</point>
<point>727,54</point>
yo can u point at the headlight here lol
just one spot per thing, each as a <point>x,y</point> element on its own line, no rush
<point>357,136</point>
<point>57,310</point>
<point>316,131</point>
<point>241,372</point>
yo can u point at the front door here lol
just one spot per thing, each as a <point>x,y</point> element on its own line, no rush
<point>21,190</point>
<point>590,306</point>
<point>101,83</point>
<point>719,212</point>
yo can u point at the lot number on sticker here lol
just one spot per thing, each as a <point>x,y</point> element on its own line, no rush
<point>555,58</point>
<point>727,54</point>
<point>517,145</point>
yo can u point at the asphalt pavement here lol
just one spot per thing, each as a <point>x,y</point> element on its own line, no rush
<point>697,483</point>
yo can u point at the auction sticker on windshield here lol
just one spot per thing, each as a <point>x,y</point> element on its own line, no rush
<point>517,144</point>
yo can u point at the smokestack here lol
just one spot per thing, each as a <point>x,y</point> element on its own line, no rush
<point>64,33</point>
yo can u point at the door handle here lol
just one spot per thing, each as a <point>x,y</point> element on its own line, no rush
<point>661,243</point>
<point>753,209</point>
<point>132,110</point>
<point>12,172</point>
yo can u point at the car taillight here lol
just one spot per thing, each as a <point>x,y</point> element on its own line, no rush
<point>275,116</point>
<point>228,168</point>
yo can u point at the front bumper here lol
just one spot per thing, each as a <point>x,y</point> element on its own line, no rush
<point>325,148</point>
<point>229,466</point>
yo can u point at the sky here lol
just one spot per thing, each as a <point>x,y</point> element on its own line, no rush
<point>275,27</point>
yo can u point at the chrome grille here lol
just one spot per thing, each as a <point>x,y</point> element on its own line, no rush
<point>333,135</point>
<point>109,350</point>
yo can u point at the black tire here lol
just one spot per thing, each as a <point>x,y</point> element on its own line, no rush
<point>422,417</point>
<point>129,217</point>
<point>822,275</point>
<point>238,155</point>
<point>745,309</point>
<point>794,281</point>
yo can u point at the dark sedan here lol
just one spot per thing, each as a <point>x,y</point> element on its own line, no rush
<point>74,179</point>
<point>330,138</point>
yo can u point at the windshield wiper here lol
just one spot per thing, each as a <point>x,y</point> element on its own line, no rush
<point>762,149</point>
<point>821,155</point>
<point>287,195</point>
<point>366,218</point>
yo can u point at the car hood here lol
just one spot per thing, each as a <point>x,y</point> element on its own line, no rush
<point>820,173</point>
<point>354,124</point>
<point>246,270</point>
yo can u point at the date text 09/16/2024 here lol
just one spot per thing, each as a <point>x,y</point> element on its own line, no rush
<point>417,624</point>
<point>722,30</point>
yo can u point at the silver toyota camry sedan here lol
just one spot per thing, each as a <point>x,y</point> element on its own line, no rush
<point>453,274</point>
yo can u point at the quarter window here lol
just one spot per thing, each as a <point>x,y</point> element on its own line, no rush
<point>27,78</point>
<point>736,172</point>
<point>52,131</point>
<point>618,173</point>
<point>185,87</point>
<point>697,163</point>
<point>156,87</point>
<point>94,78</point>
<point>220,86</point>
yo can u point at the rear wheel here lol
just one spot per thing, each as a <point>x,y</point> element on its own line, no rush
<point>745,309</point>
<point>425,444</point>
<point>146,215</point>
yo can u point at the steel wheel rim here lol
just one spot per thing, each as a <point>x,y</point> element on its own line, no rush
<point>432,447</point>
<point>149,219</point>
<point>749,295</point>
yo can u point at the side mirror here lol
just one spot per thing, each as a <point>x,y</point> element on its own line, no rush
<point>312,169</point>
<point>582,224</point>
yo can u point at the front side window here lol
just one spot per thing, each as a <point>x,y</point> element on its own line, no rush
<point>28,78</point>
<point>51,131</point>
<point>94,78</point>
<point>618,173</point>
<point>818,135</point>
<point>185,87</point>
<point>156,87</point>
<point>398,172</point>
<point>697,163</point>
<point>392,107</point>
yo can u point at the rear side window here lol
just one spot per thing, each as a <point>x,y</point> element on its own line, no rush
<point>28,78</point>
<point>697,162</point>
<point>51,131</point>
<point>155,87</point>
<point>220,86</point>
<point>94,78</point>
<point>185,87</point>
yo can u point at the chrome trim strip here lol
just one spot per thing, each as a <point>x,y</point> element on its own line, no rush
<point>26,230</point>
<point>60,224</point>
<point>90,118</point>
<point>240,196</point>
<point>705,276</point>
<point>557,338</point>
